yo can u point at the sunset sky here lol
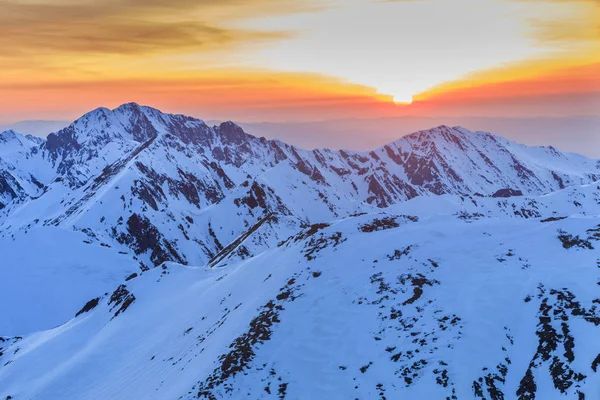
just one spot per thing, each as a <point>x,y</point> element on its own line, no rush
<point>301,60</point>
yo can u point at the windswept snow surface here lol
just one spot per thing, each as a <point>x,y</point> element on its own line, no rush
<point>148,255</point>
<point>48,273</point>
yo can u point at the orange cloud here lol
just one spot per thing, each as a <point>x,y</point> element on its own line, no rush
<point>255,95</point>
<point>127,27</point>
<point>60,59</point>
<point>565,91</point>
<point>576,79</point>
<point>244,95</point>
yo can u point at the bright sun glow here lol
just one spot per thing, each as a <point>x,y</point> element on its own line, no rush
<point>267,60</point>
<point>403,99</point>
<point>396,48</point>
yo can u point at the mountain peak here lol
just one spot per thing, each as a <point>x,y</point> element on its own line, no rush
<point>442,130</point>
<point>129,105</point>
<point>12,136</point>
<point>232,132</point>
<point>438,160</point>
<point>133,107</point>
<point>105,113</point>
<point>128,122</point>
<point>254,243</point>
<point>9,134</point>
<point>445,135</point>
<point>35,139</point>
<point>13,142</point>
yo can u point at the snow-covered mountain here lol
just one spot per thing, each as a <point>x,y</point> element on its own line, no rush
<point>149,255</point>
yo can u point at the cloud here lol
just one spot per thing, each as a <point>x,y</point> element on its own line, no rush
<point>124,27</point>
<point>520,90</point>
<point>62,55</point>
<point>562,23</point>
<point>571,24</point>
<point>569,32</point>
<point>562,1</point>
<point>248,95</point>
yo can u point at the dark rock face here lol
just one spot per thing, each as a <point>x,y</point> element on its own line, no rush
<point>189,187</point>
<point>151,195</point>
<point>523,172</point>
<point>418,282</point>
<point>556,343</point>
<point>90,305</point>
<point>558,179</point>
<point>232,132</point>
<point>569,241</point>
<point>596,363</point>
<point>392,154</point>
<point>222,175</point>
<point>256,197</point>
<point>63,141</point>
<point>301,164</point>
<point>122,299</point>
<point>381,224</point>
<point>36,182</point>
<point>141,127</point>
<point>142,236</point>
<point>243,348</point>
<point>319,242</point>
<point>236,245</point>
<point>130,277</point>
<point>379,196</point>
<point>423,172</point>
<point>8,185</point>
<point>185,185</point>
<point>189,131</point>
<point>505,193</point>
<point>310,231</point>
<point>552,219</point>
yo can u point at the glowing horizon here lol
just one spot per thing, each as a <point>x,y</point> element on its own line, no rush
<point>311,60</point>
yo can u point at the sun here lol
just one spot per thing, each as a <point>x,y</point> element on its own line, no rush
<point>403,99</point>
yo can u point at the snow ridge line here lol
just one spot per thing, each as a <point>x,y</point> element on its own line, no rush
<point>111,171</point>
<point>227,250</point>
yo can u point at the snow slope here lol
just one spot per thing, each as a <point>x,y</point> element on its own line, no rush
<point>148,255</point>
<point>48,273</point>
<point>369,306</point>
<point>162,169</point>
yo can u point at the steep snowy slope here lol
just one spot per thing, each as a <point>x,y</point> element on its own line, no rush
<point>448,264</point>
<point>451,160</point>
<point>48,273</point>
<point>134,172</point>
<point>17,183</point>
<point>374,306</point>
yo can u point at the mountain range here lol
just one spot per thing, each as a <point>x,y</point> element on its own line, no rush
<point>150,255</point>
